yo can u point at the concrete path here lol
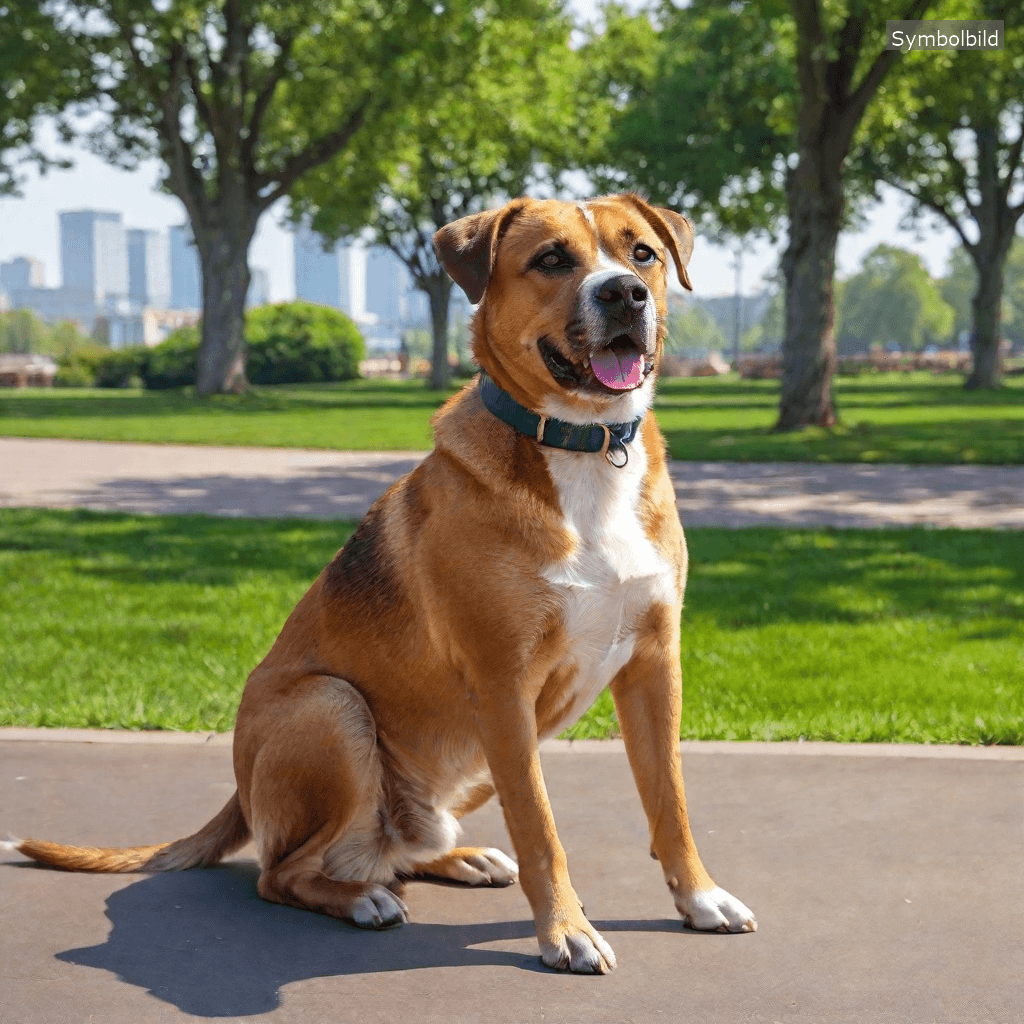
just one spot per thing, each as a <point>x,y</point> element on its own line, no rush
<point>326,484</point>
<point>887,888</point>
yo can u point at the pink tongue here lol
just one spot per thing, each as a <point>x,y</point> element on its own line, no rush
<point>613,370</point>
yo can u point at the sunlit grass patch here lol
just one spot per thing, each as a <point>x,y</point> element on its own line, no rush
<point>914,418</point>
<point>120,621</point>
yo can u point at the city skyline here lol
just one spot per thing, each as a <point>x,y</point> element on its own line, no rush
<point>28,226</point>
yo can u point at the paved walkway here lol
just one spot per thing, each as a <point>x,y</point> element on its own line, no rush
<point>887,889</point>
<point>328,484</point>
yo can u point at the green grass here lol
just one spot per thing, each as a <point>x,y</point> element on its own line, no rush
<point>119,621</point>
<point>916,418</point>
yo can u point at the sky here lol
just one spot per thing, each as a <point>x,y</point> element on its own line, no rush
<point>29,226</point>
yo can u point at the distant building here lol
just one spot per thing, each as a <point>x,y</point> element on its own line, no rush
<point>371,285</point>
<point>387,286</point>
<point>186,275</point>
<point>149,268</point>
<point>333,277</point>
<point>259,288</point>
<point>22,272</point>
<point>93,254</point>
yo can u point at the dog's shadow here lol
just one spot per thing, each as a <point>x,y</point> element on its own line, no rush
<point>207,943</point>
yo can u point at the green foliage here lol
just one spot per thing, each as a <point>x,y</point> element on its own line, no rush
<point>692,330</point>
<point>961,282</point>
<point>708,128</point>
<point>1013,294</point>
<point>74,375</point>
<point>958,288</point>
<point>120,621</point>
<point>121,367</point>
<point>172,363</point>
<point>42,73</point>
<point>510,110</point>
<point>956,150</point>
<point>21,332</point>
<point>299,342</point>
<point>767,334</point>
<point>892,301</point>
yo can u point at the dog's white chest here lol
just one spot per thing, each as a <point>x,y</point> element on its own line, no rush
<point>612,577</point>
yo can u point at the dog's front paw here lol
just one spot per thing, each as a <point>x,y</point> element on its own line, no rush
<point>579,949</point>
<point>378,908</point>
<point>471,865</point>
<point>715,911</point>
<point>485,866</point>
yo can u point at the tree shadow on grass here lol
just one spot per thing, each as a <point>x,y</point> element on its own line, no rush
<point>205,942</point>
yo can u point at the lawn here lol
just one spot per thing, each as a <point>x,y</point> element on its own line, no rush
<point>916,418</point>
<point>120,621</point>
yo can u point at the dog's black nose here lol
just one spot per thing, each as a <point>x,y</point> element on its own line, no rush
<point>624,293</point>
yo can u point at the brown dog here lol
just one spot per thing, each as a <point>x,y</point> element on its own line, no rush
<point>483,603</point>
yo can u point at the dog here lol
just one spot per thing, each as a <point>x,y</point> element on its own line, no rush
<point>485,600</point>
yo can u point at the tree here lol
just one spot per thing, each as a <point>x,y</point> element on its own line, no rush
<point>754,113</point>
<point>958,155</point>
<point>692,330</point>
<point>42,72</point>
<point>241,98</point>
<point>511,107</point>
<point>1013,292</point>
<point>21,332</point>
<point>957,287</point>
<point>892,300</point>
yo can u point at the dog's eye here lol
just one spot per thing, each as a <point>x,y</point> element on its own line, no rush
<point>643,254</point>
<point>553,259</point>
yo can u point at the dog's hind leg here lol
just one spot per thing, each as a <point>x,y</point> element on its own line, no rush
<point>314,784</point>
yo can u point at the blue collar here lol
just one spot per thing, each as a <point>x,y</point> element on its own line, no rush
<point>610,439</point>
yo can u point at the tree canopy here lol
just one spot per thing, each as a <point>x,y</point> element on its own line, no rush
<point>892,300</point>
<point>509,117</point>
<point>43,71</point>
<point>958,152</point>
<point>241,98</point>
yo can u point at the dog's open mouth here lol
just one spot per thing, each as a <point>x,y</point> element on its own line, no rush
<point>620,366</point>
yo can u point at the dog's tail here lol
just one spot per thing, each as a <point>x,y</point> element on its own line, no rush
<point>226,833</point>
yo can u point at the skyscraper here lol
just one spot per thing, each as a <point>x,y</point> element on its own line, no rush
<point>22,272</point>
<point>186,276</point>
<point>93,254</point>
<point>387,282</point>
<point>149,268</point>
<point>329,278</point>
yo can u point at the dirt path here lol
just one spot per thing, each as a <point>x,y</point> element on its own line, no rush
<point>278,482</point>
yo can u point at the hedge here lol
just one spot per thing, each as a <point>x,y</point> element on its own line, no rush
<point>290,343</point>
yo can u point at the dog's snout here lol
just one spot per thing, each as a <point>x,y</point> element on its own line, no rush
<point>625,292</point>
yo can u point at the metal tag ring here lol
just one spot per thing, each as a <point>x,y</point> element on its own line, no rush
<point>611,454</point>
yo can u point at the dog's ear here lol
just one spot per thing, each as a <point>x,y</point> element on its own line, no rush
<point>467,247</point>
<point>675,230</point>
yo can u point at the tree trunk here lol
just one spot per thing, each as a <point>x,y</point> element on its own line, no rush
<point>439,290</point>
<point>986,309</point>
<point>809,344</point>
<point>225,261</point>
<point>997,224</point>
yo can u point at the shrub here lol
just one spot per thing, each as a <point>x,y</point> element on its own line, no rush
<point>121,367</point>
<point>299,342</point>
<point>172,363</point>
<point>73,375</point>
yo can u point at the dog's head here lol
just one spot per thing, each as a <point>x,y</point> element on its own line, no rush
<point>572,299</point>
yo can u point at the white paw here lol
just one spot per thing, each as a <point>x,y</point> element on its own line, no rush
<point>715,911</point>
<point>379,908</point>
<point>580,953</point>
<point>485,867</point>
